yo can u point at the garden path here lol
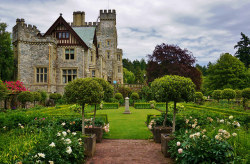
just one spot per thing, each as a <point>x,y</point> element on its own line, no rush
<point>128,151</point>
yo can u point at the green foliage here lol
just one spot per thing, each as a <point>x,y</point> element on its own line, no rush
<point>173,88</point>
<point>134,96</point>
<point>142,106</point>
<point>227,72</point>
<point>124,90</point>
<point>238,94</point>
<point>243,50</point>
<point>246,93</point>
<point>217,95</point>
<point>84,91</point>
<point>3,90</point>
<point>128,76</point>
<point>110,105</point>
<point>44,95</point>
<point>228,94</point>
<point>118,96</point>
<point>55,96</point>
<point>107,88</point>
<point>198,95</point>
<point>146,93</point>
<point>25,96</point>
<point>6,54</point>
<point>37,96</point>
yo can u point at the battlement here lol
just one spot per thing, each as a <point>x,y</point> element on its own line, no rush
<point>29,27</point>
<point>87,24</point>
<point>107,15</point>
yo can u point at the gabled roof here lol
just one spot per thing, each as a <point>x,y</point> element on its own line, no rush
<point>61,21</point>
<point>86,34</point>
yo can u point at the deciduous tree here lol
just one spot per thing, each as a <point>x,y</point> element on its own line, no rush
<point>172,60</point>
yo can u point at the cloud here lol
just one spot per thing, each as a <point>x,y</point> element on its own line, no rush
<point>206,28</point>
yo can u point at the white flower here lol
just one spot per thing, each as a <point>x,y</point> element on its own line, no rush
<point>68,131</point>
<point>38,161</point>
<point>68,150</point>
<point>149,126</point>
<point>41,155</point>
<point>198,127</point>
<point>178,144</point>
<point>67,141</point>
<point>51,162</point>
<point>52,144</point>
<point>193,125</point>
<point>64,133</point>
<point>186,131</point>
<point>222,121</point>
<point>231,117</point>
<point>234,134</point>
<point>180,151</point>
<point>4,127</point>
<point>204,130</point>
<point>63,124</point>
<point>221,130</point>
<point>22,126</point>
<point>218,137</point>
<point>191,136</point>
<point>204,136</point>
<point>79,139</point>
<point>74,133</point>
<point>198,134</point>
<point>35,156</point>
<point>62,138</point>
<point>19,124</point>
<point>58,134</point>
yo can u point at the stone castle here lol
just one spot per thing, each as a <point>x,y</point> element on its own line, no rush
<point>67,51</point>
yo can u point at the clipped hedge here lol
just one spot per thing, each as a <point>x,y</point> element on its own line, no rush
<point>110,105</point>
<point>150,117</point>
<point>142,106</point>
<point>160,105</point>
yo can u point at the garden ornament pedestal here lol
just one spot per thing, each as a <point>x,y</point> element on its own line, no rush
<point>126,106</point>
<point>89,145</point>
<point>165,138</point>
<point>157,131</point>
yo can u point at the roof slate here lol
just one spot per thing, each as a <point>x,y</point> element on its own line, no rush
<point>86,34</point>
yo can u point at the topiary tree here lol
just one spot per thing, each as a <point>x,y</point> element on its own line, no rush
<point>217,95</point>
<point>173,88</point>
<point>228,94</point>
<point>37,97</point>
<point>134,96</point>
<point>198,97</point>
<point>83,91</point>
<point>238,95</point>
<point>118,96</point>
<point>108,90</point>
<point>246,97</point>
<point>55,97</point>
<point>24,97</point>
<point>44,96</point>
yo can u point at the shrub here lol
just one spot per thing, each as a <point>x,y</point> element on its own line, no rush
<point>25,96</point>
<point>142,106</point>
<point>145,93</point>
<point>3,90</point>
<point>198,97</point>
<point>118,96</point>
<point>228,94</point>
<point>110,105</point>
<point>37,97</point>
<point>217,95</point>
<point>43,96</point>
<point>124,90</point>
<point>55,96</point>
<point>134,96</point>
<point>246,97</point>
<point>107,88</point>
<point>238,94</point>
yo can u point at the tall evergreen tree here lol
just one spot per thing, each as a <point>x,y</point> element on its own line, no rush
<point>6,54</point>
<point>243,50</point>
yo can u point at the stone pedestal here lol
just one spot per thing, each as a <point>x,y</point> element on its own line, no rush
<point>126,106</point>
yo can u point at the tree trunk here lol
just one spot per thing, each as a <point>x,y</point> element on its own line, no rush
<point>34,103</point>
<point>94,117</point>
<point>166,114</point>
<point>174,117</point>
<point>83,126</point>
<point>5,103</point>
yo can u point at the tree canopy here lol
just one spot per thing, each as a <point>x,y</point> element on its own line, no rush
<point>128,76</point>
<point>6,54</point>
<point>172,60</point>
<point>228,72</point>
<point>243,50</point>
<point>108,89</point>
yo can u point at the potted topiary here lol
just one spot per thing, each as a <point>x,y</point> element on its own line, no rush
<point>177,89</point>
<point>83,91</point>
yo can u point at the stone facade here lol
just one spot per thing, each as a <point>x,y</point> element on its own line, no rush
<point>67,51</point>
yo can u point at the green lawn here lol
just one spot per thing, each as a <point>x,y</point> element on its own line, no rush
<point>128,126</point>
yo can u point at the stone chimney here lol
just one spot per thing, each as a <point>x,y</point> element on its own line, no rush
<point>78,18</point>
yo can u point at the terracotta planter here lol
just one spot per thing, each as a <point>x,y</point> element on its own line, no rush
<point>90,145</point>
<point>165,138</point>
<point>158,131</point>
<point>98,131</point>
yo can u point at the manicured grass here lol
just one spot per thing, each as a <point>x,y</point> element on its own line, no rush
<point>128,126</point>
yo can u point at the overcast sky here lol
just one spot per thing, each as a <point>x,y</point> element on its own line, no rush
<point>207,28</point>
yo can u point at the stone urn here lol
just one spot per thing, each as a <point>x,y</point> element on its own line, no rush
<point>165,138</point>
<point>157,131</point>
<point>89,145</point>
<point>98,131</point>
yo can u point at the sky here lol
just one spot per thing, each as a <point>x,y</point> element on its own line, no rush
<point>205,28</point>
